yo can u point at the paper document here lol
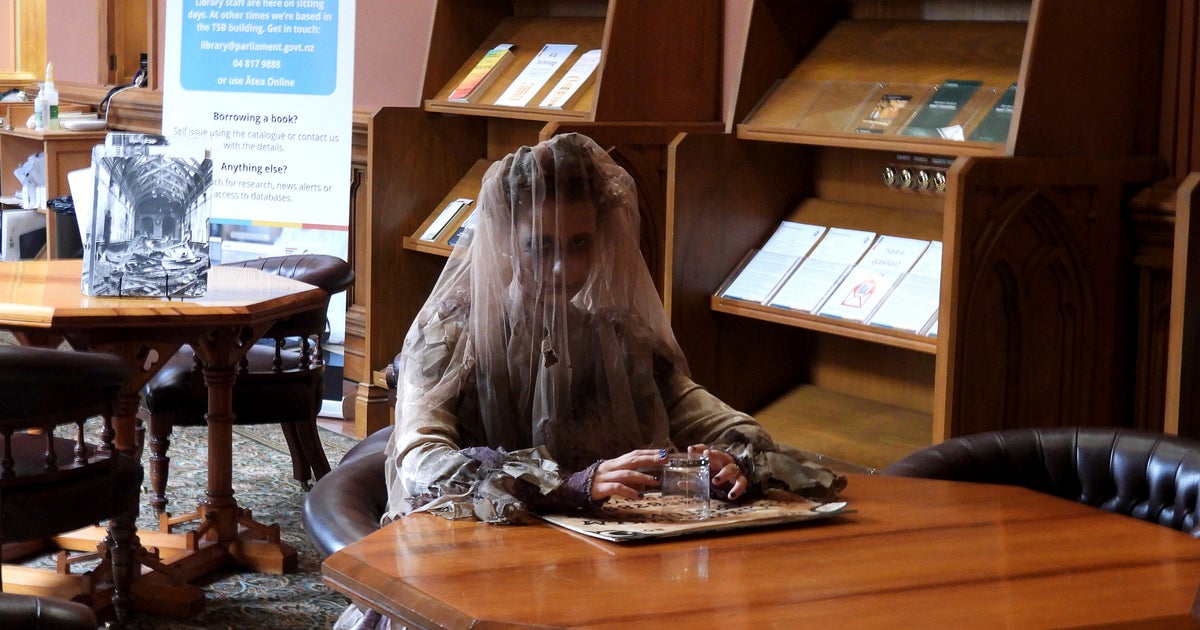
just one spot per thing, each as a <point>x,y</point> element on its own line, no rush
<point>868,283</point>
<point>913,304</point>
<point>817,274</point>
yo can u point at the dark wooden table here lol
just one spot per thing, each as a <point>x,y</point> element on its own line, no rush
<point>916,553</point>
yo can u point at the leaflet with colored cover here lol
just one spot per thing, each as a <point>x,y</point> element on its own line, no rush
<point>868,282</point>
<point>541,68</point>
<point>570,86</point>
<point>483,75</point>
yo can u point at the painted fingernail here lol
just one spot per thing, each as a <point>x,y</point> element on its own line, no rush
<point>662,453</point>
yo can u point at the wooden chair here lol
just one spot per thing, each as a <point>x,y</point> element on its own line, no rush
<point>52,484</point>
<point>280,382</point>
<point>1144,474</point>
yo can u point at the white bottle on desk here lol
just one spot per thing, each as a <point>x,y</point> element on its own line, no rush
<point>51,98</point>
<point>39,110</point>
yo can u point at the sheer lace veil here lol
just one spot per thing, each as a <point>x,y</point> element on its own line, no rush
<point>555,244</point>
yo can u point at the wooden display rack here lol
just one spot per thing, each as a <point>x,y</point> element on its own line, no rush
<point>1031,227</point>
<point>422,159</point>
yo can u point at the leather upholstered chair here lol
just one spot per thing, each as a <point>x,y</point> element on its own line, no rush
<point>56,482</point>
<point>1147,475</point>
<point>281,381</point>
<point>347,503</point>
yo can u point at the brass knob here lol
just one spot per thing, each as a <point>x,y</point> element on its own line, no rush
<point>889,175</point>
<point>906,178</point>
<point>924,181</point>
<point>939,181</point>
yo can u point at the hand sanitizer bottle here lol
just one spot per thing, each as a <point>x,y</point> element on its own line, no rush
<point>39,110</point>
<point>51,98</point>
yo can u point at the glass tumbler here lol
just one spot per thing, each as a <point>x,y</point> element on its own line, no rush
<point>685,487</point>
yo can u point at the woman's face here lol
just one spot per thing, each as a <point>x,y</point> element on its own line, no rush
<point>559,247</point>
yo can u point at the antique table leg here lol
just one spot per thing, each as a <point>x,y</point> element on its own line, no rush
<point>249,543</point>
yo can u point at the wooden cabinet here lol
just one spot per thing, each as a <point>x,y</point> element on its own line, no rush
<point>1033,299</point>
<point>65,151</point>
<point>658,77</point>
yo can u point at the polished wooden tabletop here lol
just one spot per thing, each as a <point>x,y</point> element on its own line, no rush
<point>916,553</point>
<point>46,294</point>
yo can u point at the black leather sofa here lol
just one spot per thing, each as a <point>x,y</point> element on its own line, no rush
<point>1147,475</point>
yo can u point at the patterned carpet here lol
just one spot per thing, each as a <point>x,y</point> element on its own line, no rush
<point>262,481</point>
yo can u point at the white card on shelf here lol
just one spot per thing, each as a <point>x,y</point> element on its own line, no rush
<point>531,79</point>
<point>868,283</point>
<point>913,304</point>
<point>806,289</point>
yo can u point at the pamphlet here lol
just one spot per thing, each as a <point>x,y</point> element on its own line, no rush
<point>808,286</point>
<point>483,74</point>
<point>937,119</point>
<point>794,238</point>
<point>994,126</point>
<point>869,282</point>
<point>767,268</point>
<point>884,114</point>
<point>465,230</point>
<point>913,304</point>
<point>543,66</point>
<point>570,87</point>
<point>443,219</point>
<point>761,274</point>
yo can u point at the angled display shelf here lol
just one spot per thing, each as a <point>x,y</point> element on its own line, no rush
<point>1025,189</point>
<point>658,76</point>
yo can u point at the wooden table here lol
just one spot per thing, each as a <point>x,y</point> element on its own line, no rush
<point>41,303</point>
<point>916,554</point>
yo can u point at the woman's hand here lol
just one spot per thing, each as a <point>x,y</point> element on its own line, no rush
<point>621,477</point>
<point>727,475</point>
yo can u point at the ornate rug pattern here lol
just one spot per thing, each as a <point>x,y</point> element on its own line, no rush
<point>262,482</point>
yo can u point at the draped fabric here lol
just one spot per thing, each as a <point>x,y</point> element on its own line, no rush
<point>544,347</point>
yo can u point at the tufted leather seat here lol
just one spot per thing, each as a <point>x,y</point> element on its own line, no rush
<point>275,383</point>
<point>44,613</point>
<point>57,482</point>
<point>1147,475</point>
<point>347,503</point>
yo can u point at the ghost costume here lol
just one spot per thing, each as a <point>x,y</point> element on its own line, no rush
<point>544,349</point>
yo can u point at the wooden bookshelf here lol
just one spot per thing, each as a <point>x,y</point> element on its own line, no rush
<point>1030,308</point>
<point>658,77</point>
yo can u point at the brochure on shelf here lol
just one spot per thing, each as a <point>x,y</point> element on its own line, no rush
<point>808,286</point>
<point>794,238</point>
<point>867,284</point>
<point>913,304</point>
<point>541,68</point>
<point>766,268</point>
<point>443,219</point>
<point>888,108</point>
<point>483,74</point>
<point>570,86</point>
<point>994,126</point>
<point>465,230</point>
<point>942,116</point>
<point>763,271</point>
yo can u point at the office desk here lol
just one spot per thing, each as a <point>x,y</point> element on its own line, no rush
<point>917,553</point>
<point>41,303</point>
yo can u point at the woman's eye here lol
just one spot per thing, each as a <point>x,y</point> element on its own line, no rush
<point>580,242</point>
